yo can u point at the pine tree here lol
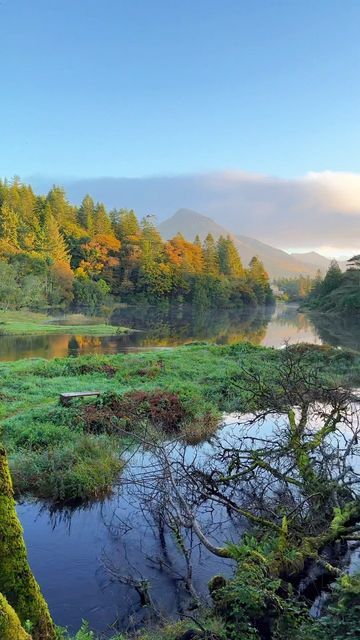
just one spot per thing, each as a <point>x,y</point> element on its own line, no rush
<point>53,243</point>
<point>259,281</point>
<point>211,258</point>
<point>86,215</point>
<point>333,278</point>
<point>129,228</point>
<point>9,224</point>
<point>257,270</point>
<point>229,260</point>
<point>63,212</point>
<point>354,263</point>
<point>151,243</point>
<point>102,223</point>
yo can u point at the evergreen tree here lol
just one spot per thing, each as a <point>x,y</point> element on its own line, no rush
<point>9,223</point>
<point>53,243</point>
<point>151,243</point>
<point>64,214</point>
<point>354,262</point>
<point>211,258</point>
<point>102,223</point>
<point>229,260</point>
<point>259,281</point>
<point>129,228</point>
<point>332,278</point>
<point>86,214</point>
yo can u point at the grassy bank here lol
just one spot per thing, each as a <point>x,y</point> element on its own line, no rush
<point>75,452</point>
<point>28,323</point>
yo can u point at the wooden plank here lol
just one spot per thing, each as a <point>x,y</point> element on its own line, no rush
<point>65,398</point>
<point>79,394</point>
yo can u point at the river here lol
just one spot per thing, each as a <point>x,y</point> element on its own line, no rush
<point>71,550</point>
<point>160,328</point>
<point>67,548</point>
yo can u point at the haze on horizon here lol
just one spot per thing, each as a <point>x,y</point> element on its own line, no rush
<point>245,112</point>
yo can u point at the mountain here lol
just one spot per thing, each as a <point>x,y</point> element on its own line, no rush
<point>314,258</point>
<point>278,263</point>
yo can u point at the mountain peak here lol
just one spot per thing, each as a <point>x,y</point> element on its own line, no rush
<point>278,263</point>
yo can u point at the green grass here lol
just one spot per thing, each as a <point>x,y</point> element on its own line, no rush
<point>28,323</point>
<point>52,453</point>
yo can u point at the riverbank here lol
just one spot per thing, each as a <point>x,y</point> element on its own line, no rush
<point>64,453</point>
<point>22,323</point>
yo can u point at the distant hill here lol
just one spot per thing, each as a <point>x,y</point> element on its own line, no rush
<point>277,262</point>
<point>314,258</point>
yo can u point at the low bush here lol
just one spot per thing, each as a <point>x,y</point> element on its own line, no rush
<point>162,409</point>
<point>83,468</point>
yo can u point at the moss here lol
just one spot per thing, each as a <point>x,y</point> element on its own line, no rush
<point>10,626</point>
<point>17,582</point>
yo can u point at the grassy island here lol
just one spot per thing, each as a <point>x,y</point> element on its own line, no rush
<point>28,323</point>
<point>74,452</point>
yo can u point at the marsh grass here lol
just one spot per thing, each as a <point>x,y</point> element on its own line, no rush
<point>29,323</point>
<point>52,452</point>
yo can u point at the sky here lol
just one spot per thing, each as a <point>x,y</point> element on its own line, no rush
<point>182,89</point>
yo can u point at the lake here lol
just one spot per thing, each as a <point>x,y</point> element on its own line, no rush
<point>68,548</point>
<point>160,328</point>
<point>76,552</point>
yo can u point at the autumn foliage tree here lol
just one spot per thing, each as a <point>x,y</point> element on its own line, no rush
<point>58,254</point>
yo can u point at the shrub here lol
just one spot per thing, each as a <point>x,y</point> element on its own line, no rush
<point>162,409</point>
<point>84,468</point>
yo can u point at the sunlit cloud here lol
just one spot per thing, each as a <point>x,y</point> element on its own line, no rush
<point>342,190</point>
<point>316,210</point>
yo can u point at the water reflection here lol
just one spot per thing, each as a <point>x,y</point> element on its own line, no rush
<point>160,328</point>
<point>76,552</point>
<point>338,331</point>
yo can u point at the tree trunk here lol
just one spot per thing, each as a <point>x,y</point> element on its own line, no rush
<point>17,582</point>
<point>10,627</point>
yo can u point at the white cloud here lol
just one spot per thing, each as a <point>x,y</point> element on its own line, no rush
<point>318,209</point>
<point>342,189</point>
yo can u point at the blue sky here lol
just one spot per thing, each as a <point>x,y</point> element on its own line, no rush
<point>131,88</point>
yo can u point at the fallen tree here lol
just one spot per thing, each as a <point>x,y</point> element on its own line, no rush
<point>286,474</point>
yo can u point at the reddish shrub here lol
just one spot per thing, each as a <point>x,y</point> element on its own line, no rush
<point>108,369</point>
<point>162,408</point>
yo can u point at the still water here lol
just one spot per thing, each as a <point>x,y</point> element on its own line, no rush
<point>161,328</point>
<point>69,548</point>
<point>74,553</point>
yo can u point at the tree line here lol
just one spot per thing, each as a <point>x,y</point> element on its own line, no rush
<point>53,253</point>
<point>338,291</point>
<point>295,289</point>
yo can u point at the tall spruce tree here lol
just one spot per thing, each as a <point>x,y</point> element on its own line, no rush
<point>85,214</point>
<point>53,244</point>
<point>211,257</point>
<point>102,223</point>
<point>9,224</point>
<point>63,212</point>
<point>229,260</point>
<point>332,280</point>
